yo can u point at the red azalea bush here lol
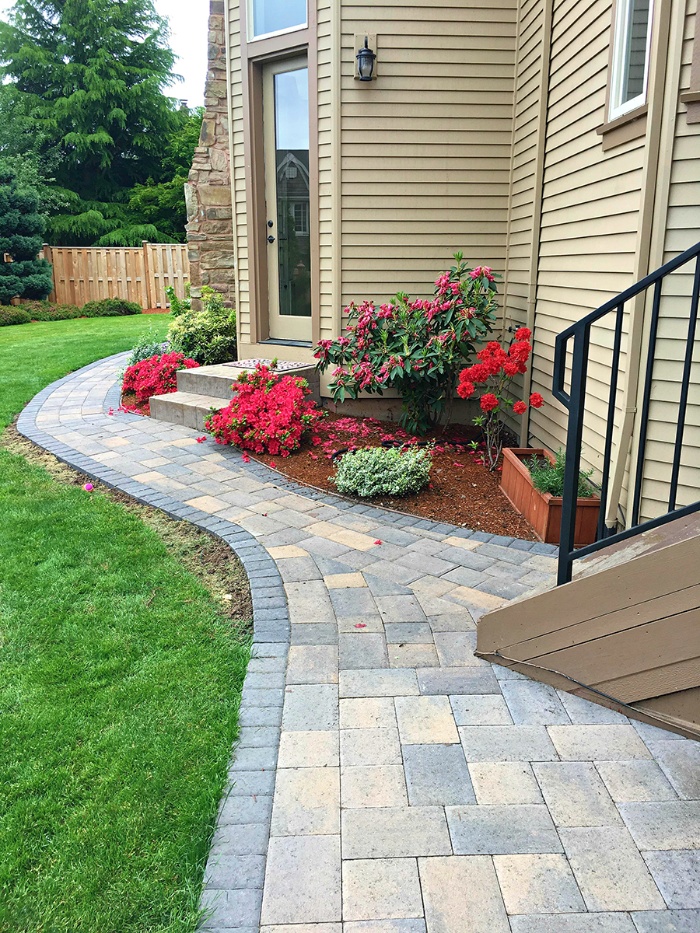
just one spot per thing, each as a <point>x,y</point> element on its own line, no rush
<point>269,414</point>
<point>414,346</point>
<point>495,371</point>
<point>155,376</point>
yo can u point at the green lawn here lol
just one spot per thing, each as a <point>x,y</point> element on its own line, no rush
<point>120,676</point>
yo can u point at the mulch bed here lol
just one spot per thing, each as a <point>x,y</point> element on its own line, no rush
<point>461,492</point>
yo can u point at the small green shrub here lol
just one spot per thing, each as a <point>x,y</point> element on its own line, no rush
<point>43,311</point>
<point>178,306</point>
<point>207,336</point>
<point>549,477</point>
<point>380,471</point>
<point>110,307</point>
<point>147,345</point>
<point>10,315</point>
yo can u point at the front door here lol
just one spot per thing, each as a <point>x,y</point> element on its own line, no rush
<point>286,122</point>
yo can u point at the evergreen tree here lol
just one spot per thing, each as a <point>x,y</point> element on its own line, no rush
<point>22,225</point>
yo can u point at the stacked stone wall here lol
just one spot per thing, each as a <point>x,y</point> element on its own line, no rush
<point>208,192</point>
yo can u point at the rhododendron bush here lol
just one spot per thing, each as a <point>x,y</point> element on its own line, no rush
<point>414,346</point>
<point>494,372</point>
<point>268,415</point>
<point>156,375</point>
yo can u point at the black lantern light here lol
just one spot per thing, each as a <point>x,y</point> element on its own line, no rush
<point>365,62</point>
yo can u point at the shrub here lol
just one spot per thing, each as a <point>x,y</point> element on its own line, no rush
<point>155,376</point>
<point>146,347</point>
<point>10,315</point>
<point>178,306</point>
<point>111,307</point>
<point>381,471</point>
<point>495,371</point>
<point>43,311</point>
<point>415,347</point>
<point>549,477</point>
<point>269,414</point>
<point>208,336</point>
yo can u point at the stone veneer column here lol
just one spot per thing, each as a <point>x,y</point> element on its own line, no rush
<point>208,192</point>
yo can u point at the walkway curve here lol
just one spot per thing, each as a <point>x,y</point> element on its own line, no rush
<point>385,778</point>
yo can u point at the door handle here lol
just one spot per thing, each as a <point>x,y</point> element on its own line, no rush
<point>270,239</point>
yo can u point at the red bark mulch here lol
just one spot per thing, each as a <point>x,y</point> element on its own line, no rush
<point>461,492</point>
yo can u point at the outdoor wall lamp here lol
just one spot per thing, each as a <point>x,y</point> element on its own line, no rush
<point>366,59</point>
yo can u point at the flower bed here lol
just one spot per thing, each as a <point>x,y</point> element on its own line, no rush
<point>462,491</point>
<point>156,375</point>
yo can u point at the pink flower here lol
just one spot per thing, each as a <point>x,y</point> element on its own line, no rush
<point>88,487</point>
<point>377,541</point>
<point>201,440</point>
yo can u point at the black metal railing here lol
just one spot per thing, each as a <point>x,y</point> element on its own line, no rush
<point>575,402</point>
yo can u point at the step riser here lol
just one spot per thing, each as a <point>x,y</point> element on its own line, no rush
<point>191,380</point>
<point>189,415</point>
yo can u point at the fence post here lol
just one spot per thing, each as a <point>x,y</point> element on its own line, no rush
<point>46,252</point>
<point>147,276</point>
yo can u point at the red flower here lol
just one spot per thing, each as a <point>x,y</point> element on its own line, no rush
<point>536,400</point>
<point>466,389</point>
<point>523,333</point>
<point>489,402</point>
<point>201,440</point>
<point>519,408</point>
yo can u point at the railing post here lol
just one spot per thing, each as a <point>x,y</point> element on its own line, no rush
<point>574,440</point>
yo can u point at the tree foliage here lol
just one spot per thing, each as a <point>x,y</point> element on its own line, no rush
<point>22,225</point>
<point>84,90</point>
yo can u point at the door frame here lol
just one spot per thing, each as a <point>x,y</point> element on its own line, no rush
<point>255,55</point>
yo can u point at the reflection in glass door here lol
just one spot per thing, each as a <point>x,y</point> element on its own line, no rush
<point>286,114</point>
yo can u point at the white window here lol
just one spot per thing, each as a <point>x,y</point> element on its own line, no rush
<point>269,17</point>
<point>301,218</point>
<point>630,60</point>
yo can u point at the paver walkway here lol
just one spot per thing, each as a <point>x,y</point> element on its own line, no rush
<point>386,780</point>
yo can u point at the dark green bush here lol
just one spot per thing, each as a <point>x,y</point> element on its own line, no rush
<point>43,311</point>
<point>549,477</point>
<point>10,315</point>
<point>110,307</point>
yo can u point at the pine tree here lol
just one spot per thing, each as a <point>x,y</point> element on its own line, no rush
<point>22,225</point>
<point>92,74</point>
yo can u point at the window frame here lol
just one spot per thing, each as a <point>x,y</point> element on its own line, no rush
<point>618,57</point>
<point>252,37</point>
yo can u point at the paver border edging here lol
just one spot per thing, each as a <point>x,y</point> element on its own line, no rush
<point>271,633</point>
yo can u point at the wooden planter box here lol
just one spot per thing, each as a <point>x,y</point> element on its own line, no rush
<point>542,510</point>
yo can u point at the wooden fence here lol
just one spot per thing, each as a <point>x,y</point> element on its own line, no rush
<point>140,274</point>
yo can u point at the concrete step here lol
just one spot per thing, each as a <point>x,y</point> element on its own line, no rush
<point>185,408</point>
<point>217,381</point>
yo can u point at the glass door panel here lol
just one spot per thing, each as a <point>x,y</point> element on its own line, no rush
<point>286,108</point>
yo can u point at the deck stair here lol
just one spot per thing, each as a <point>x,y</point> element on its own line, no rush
<point>212,387</point>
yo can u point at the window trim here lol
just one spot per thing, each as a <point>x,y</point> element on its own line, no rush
<point>691,97</point>
<point>619,42</point>
<point>277,32</point>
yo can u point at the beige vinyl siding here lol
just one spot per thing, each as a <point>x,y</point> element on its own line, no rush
<point>526,129</point>
<point>682,230</point>
<point>426,148</point>
<point>590,217</point>
<point>238,173</point>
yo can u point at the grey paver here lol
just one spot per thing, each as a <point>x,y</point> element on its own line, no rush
<point>504,782</point>
<point>232,909</point>
<point>381,889</point>
<point>584,712</point>
<point>369,747</point>
<point>302,880</point>
<point>575,794</point>
<point>537,884</point>
<point>312,664</point>
<point>309,708</point>
<point>457,680</point>
<point>502,830</point>
<point>602,743</point>
<point>635,781</point>
<point>609,869</point>
<point>409,655</point>
<point>462,894</point>
<point>681,763</point>
<point>437,775</point>
<point>507,743</point>
<point>670,824</point>
<point>392,683</point>
<point>396,832</point>
<point>384,926</point>
<point>573,923</point>
<point>667,921</point>
<point>316,634</point>
<point>235,872</point>
<point>245,810</point>
<point>408,633</point>
<point>456,649</point>
<point>533,704</point>
<point>363,651</point>
<point>488,710</point>
<point>677,876</point>
<point>373,786</point>
<point>400,609</point>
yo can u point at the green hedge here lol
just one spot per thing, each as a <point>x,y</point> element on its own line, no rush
<point>43,311</point>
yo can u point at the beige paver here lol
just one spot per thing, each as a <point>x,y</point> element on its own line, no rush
<point>367,713</point>
<point>424,720</point>
<point>312,664</point>
<point>416,655</point>
<point>302,881</point>
<point>369,747</point>
<point>397,832</point>
<point>381,889</point>
<point>504,782</point>
<point>537,884</point>
<point>208,504</point>
<point>381,786</point>
<point>575,794</point>
<point>462,894</point>
<point>307,802</point>
<point>309,750</point>
<point>286,552</point>
<point>597,743</point>
<point>344,581</point>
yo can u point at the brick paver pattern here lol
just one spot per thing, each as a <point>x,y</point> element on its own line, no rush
<point>386,780</point>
